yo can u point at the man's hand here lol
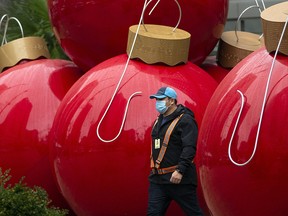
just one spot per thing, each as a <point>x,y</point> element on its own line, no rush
<point>176,177</point>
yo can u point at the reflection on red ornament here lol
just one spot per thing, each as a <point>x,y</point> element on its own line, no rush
<point>92,31</point>
<point>235,180</point>
<point>111,178</point>
<point>30,95</point>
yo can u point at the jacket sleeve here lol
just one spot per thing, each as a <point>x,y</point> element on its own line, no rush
<point>189,135</point>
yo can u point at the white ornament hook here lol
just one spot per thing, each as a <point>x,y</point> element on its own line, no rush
<point>179,19</point>
<point>262,109</point>
<point>4,40</point>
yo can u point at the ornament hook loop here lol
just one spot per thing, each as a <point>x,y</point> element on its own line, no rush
<point>244,11</point>
<point>5,26</point>
<point>179,19</point>
<point>8,19</point>
<point>240,16</point>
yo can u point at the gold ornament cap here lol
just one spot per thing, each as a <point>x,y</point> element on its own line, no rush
<point>30,48</point>
<point>232,49</point>
<point>159,44</point>
<point>273,21</point>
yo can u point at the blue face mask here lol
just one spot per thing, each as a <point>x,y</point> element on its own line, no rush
<point>161,106</point>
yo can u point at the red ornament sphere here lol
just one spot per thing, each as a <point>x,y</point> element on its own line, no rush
<point>111,178</point>
<point>30,94</point>
<point>242,173</point>
<point>92,31</point>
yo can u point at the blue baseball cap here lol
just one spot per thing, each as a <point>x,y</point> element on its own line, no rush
<point>165,92</point>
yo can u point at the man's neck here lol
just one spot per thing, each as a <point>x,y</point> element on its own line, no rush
<point>170,110</point>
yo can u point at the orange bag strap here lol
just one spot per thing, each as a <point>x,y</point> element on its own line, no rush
<point>165,143</point>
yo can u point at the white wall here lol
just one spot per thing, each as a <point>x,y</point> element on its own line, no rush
<point>250,20</point>
<point>237,6</point>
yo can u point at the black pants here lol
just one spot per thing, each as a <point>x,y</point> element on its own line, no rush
<point>160,196</point>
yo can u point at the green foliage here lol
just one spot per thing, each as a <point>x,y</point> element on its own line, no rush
<point>34,18</point>
<point>20,200</point>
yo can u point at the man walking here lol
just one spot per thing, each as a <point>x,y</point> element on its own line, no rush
<point>173,174</point>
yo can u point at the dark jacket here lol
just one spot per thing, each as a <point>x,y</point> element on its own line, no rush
<point>181,149</point>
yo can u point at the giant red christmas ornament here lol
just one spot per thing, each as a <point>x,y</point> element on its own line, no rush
<point>95,30</point>
<point>30,95</point>
<point>244,172</point>
<point>98,177</point>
